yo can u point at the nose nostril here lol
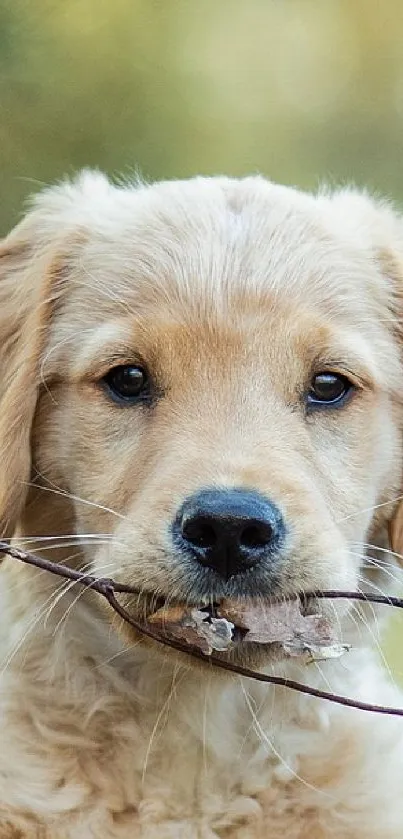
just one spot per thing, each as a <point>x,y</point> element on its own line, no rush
<point>200,533</point>
<point>228,530</point>
<point>256,536</point>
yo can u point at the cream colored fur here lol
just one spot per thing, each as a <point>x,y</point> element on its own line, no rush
<point>231,292</point>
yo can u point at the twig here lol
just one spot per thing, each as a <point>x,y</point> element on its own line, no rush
<point>385,600</point>
<point>108,588</point>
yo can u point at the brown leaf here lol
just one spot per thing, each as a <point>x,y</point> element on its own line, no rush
<point>264,622</point>
<point>196,627</point>
<point>282,622</point>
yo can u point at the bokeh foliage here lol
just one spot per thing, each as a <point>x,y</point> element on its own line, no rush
<point>301,90</point>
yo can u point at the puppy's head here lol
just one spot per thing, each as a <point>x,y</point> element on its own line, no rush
<point>207,375</point>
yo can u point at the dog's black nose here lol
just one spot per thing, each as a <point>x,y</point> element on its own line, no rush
<point>229,530</point>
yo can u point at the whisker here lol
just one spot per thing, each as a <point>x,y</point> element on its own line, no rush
<point>78,536</point>
<point>56,545</point>
<point>80,594</point>
<point>381,549</point>
<point>370,605</point>
<point>72,497</point>
<point>70,585</point>
<point>372,563</point>
<point>370,509</point>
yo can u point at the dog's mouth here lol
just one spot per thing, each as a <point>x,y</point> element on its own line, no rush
<point>286,628</point>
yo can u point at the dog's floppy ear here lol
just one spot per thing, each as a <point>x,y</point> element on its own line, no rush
<point>27,288</point>
<point>34,262</point>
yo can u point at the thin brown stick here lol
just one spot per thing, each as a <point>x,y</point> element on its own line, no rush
<point>108,588</point>
<point>385,600</point>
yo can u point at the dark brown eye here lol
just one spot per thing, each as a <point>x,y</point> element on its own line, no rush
<point>328,389</point>
<point>127,384</point>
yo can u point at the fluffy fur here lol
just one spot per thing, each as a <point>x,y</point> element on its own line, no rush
<point>233,293</point>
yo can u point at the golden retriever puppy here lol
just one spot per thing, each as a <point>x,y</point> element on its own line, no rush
<point>200,396</point>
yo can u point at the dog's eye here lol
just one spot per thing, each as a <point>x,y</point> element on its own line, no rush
<point>127,383</point>
<point>328,389</point>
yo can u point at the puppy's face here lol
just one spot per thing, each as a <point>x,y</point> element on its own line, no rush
<point>220,386</point>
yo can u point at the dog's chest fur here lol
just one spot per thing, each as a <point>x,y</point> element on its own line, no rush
<point>117,746</point>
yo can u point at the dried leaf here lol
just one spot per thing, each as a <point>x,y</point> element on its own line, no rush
<point>277,622</point>
<point>272,622</point>
<point>194,626</point>
<point>282,622</point>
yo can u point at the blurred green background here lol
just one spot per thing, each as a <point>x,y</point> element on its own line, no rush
<point>303,91</point>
